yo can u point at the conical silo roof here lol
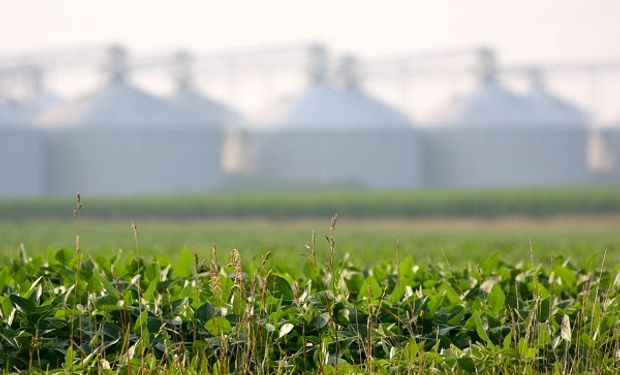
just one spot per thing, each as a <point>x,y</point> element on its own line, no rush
<point>40,103</point>
<point>117,104</point>
<point>491,104</point>
<point>553,110</point>
<point>40,99</point>
<point>120,104</point>
<point>208,110</point>
<point>189,99</point>
<point>326,106</point>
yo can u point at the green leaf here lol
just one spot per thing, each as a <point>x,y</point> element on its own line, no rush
<point>410,351</point>
<point>567,276</point>
<point>370,290</point>
<point>398,292</point>
<point>206,312</point>
<point>24,305</point>
<point>545,310</point>
<point>280,288</point>
<point>507,340</point>
<point>185,263</point>
<point>218,326</point>
<point>405,268</point>
<point>140,322</point>
<point>496,299</point>
<point>69,357</point>
<point>5,278</point>
<point>489,264</point>
<point>480,330</point>
<point>467,364</point>
<point>450,293</point>
<point>310,270</point>
<point>64,256</point>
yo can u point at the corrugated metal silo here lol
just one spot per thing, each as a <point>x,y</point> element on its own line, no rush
<point>121,140</point>
<point>334,135</point>
<point>22,156</point>
<point>497,138</point>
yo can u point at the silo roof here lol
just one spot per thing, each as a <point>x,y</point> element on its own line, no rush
<point>42,102</point>
<point>208,110</point>
<point>491,104</point>
<point>494,105</point>
<point>118,104</point>
<point>324,106</point>
<point>554,110</point>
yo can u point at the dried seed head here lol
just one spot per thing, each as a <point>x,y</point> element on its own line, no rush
<point>78,206</point>
<point>214,271</point>
<point>333,223</point>
<point>235,264</point>
<point>565,330</point>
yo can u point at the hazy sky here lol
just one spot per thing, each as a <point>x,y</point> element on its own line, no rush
<point>523,30</point>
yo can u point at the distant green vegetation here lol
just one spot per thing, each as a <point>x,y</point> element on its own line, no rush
<point>66,312</point>
<point>534,202</point>
<point>365,242</point>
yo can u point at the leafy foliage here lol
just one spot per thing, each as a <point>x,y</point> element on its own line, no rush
<point>67,312</point>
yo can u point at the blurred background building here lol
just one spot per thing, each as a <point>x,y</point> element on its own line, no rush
<point>106,120</point>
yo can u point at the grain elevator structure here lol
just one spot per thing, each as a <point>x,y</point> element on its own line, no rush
<point>336,134</point>
<point>120,140</point>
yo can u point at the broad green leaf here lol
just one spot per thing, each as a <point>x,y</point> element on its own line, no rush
<point>140,324</point>
<point>206,312</point>
<point>218,326</point>
<point>567,276</point>
<point>467,364</point>
<point>480,330</point>
<point>545,310</point>
<point>507,340</point>
<point>185,263</point>
<point>398,292</point>
<point>24,305</point>
<point>410,351</point>
<point>496,299</point>
<point>370,290</point>
<point>69,357</point>
<point>405,268</point>
<point>489,264</point>
<point>64,256</point>
<point>280,288</point>
<point>5,278</point>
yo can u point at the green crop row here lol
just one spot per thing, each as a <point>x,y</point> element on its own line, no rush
<point>535,202</point>
<point>72,313</point>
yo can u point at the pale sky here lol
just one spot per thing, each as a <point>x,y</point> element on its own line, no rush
<point>521,30</point>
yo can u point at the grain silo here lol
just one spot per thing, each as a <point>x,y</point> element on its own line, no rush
<point>39,98</point>
<point>551,109</point>
<point>607,168</point>
<point>213,113</point>
<point>22,156</point>
<point>497,138</point>
<point>187,97</point>
<point>121,140</point>
<point>336,135</point>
